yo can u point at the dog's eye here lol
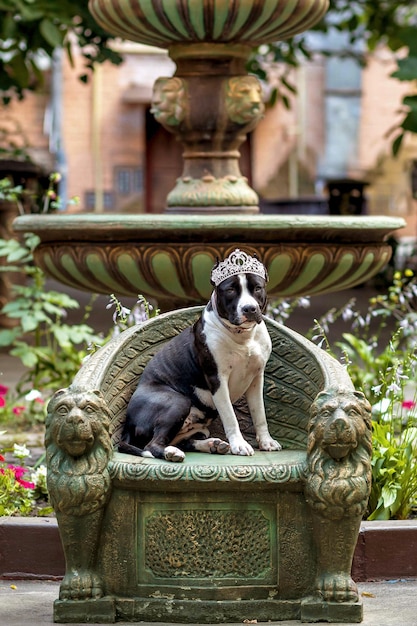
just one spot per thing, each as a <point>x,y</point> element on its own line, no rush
<point>258,288</point>
<point>230,291</point>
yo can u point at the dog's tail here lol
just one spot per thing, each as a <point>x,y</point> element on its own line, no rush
<point>127,448</point>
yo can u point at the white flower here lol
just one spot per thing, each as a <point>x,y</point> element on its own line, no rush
<point>393,388</point>
<point>41,470</point>
<point>304,302</point>
<point>34,394</point>
<point>21,452</point>
<point>377,390</point>
<point>382,406</point>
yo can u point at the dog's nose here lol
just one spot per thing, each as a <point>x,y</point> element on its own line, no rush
<point>249,308</point>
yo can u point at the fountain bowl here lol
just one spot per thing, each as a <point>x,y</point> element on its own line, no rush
<point>164,23</point>
<point>168,258</point>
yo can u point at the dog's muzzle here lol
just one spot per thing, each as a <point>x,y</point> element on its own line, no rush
<point>251,313</point>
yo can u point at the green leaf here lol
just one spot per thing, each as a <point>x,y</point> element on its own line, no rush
<point>51,33</point>
<point>7,336</point>
<point>19,69</point>
<point>27,356</point>
<point>8,26</point>
<point>407,69</point>
<point>397,144</point>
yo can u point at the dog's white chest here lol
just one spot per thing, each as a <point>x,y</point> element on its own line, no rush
<point>240,368</point>
<point>240,362</point>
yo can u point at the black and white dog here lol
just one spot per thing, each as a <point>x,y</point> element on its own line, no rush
<point>201,372</point>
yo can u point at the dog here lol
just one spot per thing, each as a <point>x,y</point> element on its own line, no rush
<point>201,372</point>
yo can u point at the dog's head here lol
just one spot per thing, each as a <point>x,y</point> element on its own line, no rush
<point>240,289</point>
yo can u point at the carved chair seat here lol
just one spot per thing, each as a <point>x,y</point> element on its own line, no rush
<point>215,538</point>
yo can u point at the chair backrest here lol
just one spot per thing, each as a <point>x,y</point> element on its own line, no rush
<point>295,373</point>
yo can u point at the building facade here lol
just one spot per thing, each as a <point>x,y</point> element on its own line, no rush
<point>113,155</point>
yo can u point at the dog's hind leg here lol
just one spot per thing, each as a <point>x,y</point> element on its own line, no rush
<point>211,445</point>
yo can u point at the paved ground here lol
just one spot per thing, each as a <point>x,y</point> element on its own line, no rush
<point>392,603</point>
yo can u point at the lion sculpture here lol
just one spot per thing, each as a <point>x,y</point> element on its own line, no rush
<point>338,483</point>
<point>78,449</point>
<point>339,451</point>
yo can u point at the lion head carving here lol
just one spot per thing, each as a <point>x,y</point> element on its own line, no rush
<point>339,452</point>
<point>78,448</point>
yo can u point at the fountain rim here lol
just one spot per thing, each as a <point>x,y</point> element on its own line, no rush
<point>92,227</point>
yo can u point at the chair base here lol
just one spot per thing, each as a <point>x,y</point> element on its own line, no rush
<point>108,610</point>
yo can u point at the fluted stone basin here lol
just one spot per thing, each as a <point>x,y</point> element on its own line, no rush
<point>169,257</point>
<point>166,22</point>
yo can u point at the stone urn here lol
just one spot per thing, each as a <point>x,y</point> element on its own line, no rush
<point>211,102</point>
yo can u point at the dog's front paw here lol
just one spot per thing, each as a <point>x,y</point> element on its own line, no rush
<point>241,447</point>
<point>171,453</point>
<point>267,444</point>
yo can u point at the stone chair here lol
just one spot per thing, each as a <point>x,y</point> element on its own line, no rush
<point>216,538</point>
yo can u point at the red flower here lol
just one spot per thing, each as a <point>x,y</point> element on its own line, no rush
<point>408,404</point>
<point>2,458</point>
<point>3,390</point>
<point>2,402</point>
<point>26,484</point>
<point>17,410</point>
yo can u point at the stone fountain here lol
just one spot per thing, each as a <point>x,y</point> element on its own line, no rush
<point>210,104</point>
<point>261,538</point>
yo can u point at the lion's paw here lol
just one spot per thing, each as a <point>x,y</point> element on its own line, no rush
<point>83,586</point>
<point>337,588</point>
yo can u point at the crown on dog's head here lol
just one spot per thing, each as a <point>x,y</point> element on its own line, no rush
<point>238,262</point>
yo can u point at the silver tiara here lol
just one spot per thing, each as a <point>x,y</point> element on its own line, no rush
<point>237,262</point>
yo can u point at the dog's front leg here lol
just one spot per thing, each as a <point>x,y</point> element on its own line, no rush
<point>230,424</point>
<point>254,397</point>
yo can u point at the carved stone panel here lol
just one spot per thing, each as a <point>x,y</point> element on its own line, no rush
<point>232,543</point>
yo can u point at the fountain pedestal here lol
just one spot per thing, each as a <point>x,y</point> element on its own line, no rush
<point>211,102</point>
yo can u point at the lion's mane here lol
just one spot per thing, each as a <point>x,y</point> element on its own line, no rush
<point>78,449</point>
<point>339,453</point>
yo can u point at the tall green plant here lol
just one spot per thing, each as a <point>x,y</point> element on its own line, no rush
<point>380,353</point>
<point>51,349</point>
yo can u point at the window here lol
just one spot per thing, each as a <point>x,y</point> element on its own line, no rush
<point>90,200</point>
<point>128,180</point>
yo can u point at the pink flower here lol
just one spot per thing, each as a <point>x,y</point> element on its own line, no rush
<point>3,390</point>
<point>17,410</point>
<point>26,484</point>
<point>2,402</point>
<point>18,472</point>
<point>408,404</point>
